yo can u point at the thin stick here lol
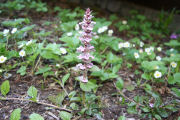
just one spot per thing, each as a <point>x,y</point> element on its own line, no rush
<point>42,103</point>
<point>127,97</point>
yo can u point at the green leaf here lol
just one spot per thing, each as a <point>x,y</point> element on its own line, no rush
<point>35,116</point>
<point>65,78</point>
<point>32,92</point>
<point>116,68</point>
<point>145,109</point>
<point>176,91</point>
<point>177,77</point>
<point>119,83</point>
<point>57,99</point>
<point>65,115</point>
<point>157,117</point>
<point>173,43</point>
<point>111,58</point>
<point>74,106</point>
<point>16,114</point>
<point>49,54</point>
<point>87,86</point>
<point>5,87</point>
<point>22,70</point>
<point>171,80</point>
<point>43,70</point>
<point>122,118</point>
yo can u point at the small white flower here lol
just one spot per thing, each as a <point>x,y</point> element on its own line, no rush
<point>141,44</point>
<point>121,45</point>
<point>174,64</point>
<point>136,55</point>
<point>147,50</point>
<point>151,48</point>
<point>149,53</point>
<point>63,51</point>
<point>171,49</point>
<point>102,29</point>
<point>124,22</point>
<point>29,42</point>
<point>7,75</point>
<point>20,46</point>
<point>69,34</point>
<point>2,59</point>
<point>134,45</point>
<point>22,53</point>
<point>1,70</point>
<point>157,74</point>
<point>156,67</point>
<point>14,30</point>
<point>77,27</point>
<point>126,45</point>
<point>158,58</point>
<point>5,32</point>
<point>159,49</point>
<point>110,32</point>
<point>57,65</point>
<point>141,51</point>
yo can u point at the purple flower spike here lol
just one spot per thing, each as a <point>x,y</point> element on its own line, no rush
<point>86,48</point>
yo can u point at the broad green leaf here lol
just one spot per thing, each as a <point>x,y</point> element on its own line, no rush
<point>32,92</point>
<point>171,80</point>
<point>158,117</point>
<point>15,23</point>
<point>35,116</point>
<point>16,114</point>
<point>111,58</point>
<point>87,86</point>
<point>173,43</point>
<point>5,87</point>
<point>22,70</point>
<point>177,77</point>
<point>74,106</point>
<point>122,118</point>
<point>116,68</point>
<point>145,109</point>
<point>49,54</point>
<point>57,99</point>
<point>65,78</point>
<point>119,83</point>
<point>43,70</point>
<point>65,115</point>
<point>176,91</point>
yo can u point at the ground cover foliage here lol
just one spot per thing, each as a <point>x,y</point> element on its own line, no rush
<point>135,75</point>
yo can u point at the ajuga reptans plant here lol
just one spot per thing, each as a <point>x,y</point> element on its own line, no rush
<point>86,48</point>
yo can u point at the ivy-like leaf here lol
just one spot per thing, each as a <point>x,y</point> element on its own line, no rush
<point>65,115</point>
<point>36,116</point>
<point>43,70</point>
<point>65,78</point>
<point>16,114</point>
<point>22,70</point>
<point>5,87</point>
<point>32,92</point>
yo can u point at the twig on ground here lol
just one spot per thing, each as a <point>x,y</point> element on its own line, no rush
<point>42,103</point>
<point>127,97</point>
